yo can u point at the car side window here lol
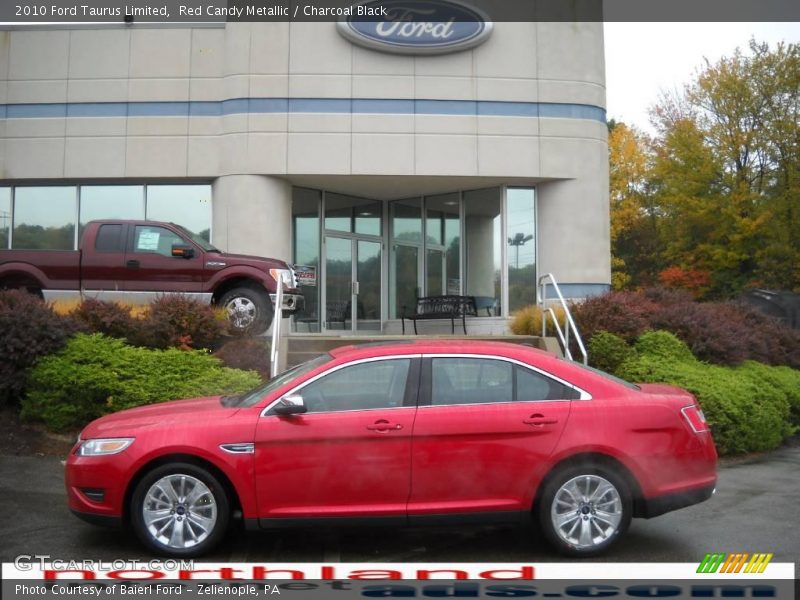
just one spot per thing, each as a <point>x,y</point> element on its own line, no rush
<point>155,240</point>
<point>533,386</point>
<point>109,238</point>
<point>365,386</point>
<point>470,381</point>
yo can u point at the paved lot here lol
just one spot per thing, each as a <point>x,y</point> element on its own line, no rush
<point>755,510</point>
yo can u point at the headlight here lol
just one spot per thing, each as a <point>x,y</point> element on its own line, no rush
<point>104,447</point>
<point>287,276</point>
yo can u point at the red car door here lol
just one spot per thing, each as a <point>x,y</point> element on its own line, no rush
<point>483,427</point>
<point>350,454</point>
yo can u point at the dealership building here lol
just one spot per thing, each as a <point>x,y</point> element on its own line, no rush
<point>385,169</point>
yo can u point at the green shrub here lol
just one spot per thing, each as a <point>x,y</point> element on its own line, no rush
<point>786,379</point>
<point>608,351</point>
<point>747,411</point>
<point>663,345</point>
<point>29,329</point>
<point>95,375</point>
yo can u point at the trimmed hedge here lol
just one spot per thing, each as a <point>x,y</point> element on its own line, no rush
<point>95,375</point>
<point>750,408</point>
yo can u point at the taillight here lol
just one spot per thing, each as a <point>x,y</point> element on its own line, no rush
<point>695,417</point>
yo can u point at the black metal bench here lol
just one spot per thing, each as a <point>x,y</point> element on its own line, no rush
<point>441,307</point>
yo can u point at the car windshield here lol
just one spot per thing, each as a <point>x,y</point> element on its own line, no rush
<point>608,376</point>
<point>253,396</point>
<point>200,241</point>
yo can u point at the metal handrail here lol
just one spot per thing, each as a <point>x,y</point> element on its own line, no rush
<point>274,354</point>
<point>541,291</point>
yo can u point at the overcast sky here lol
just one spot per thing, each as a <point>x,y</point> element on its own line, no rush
<point>643,58</point>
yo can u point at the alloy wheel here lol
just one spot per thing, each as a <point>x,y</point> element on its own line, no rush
<point>179,511</point>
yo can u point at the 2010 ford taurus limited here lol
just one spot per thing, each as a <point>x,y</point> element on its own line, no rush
<point>414,432</point>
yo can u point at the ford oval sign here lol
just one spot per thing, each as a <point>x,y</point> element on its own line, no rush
<point>415,26</point>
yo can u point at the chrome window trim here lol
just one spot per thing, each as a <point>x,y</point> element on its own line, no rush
<point>584,395</point>
<point>299,387</point>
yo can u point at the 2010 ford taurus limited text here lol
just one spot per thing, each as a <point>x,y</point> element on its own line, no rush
<point>412,433</point>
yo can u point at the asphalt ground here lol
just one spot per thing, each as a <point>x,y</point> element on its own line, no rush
<point>756,509</point>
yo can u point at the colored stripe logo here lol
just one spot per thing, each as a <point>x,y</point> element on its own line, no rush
<point>738,562</point>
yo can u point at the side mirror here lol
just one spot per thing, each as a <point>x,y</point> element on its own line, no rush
<point>290,405</point>
<point>182,251</point>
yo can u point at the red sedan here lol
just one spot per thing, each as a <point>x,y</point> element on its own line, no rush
<point>401,432</point>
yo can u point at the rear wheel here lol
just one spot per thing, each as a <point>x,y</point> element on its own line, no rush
<point>180,510</point>
<point>249,310</point>
<point>585,509</point>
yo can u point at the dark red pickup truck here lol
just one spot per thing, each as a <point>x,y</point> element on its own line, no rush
<point>135,261</point>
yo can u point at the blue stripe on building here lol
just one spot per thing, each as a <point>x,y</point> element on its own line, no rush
<point>305,105</point>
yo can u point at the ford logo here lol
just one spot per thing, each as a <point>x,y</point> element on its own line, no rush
<point>415,26</point>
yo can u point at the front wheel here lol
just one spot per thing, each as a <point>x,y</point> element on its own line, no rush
<point>249,310</point>
<point>180,510</point>
<point>584,510</point>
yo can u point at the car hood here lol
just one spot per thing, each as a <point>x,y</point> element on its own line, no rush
<point>162,414</point>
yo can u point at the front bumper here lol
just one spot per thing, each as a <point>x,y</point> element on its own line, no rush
<point>96,486</point>
<point>291,302</point>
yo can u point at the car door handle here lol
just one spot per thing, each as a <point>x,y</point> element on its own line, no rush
<point>539,419</point>
<point>132,264</point>
<point>383,426</point>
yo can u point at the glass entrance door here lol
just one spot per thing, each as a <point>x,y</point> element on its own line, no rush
<point>352,284</point>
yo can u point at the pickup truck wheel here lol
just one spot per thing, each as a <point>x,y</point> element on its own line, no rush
<point>249,310</point>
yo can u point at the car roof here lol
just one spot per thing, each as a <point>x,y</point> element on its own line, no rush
<point>434,346</point>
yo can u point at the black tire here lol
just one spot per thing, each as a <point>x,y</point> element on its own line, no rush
<point>602,530</point>
<point>147,496</point>
<point>249,310</point>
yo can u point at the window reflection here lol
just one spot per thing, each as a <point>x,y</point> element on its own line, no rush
<point>407,220</point>
<point>186,205</point>
<point>443,231</point>
<point>521,248</point>
<point>111,202</point>
<point>5,216</point>
<point>44,218</point>
<point>350,214</point>
<point>305,220</point>
<point>483,229</point>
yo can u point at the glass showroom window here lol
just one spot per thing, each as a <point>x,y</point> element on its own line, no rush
<point>5,216</point>
<point>483,244</point>
<point>350,214</point>
<point>305,221</point>
<point>404,267</point>
<point>111,202</point>
<point>44,218</point>
<point>185,205</point>
<point>442,245</point>
<point>520,207</point>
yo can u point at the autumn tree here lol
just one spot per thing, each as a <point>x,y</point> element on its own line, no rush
<point>713,200</point>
